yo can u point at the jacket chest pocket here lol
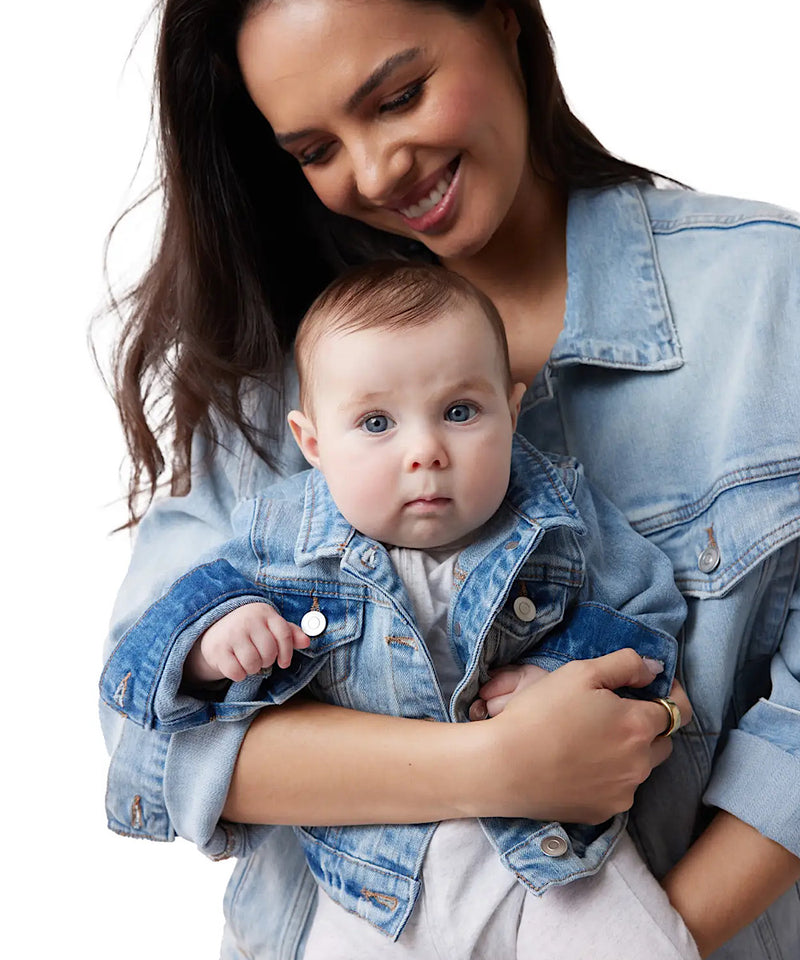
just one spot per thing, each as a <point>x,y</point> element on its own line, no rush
<point>714,542</point>
<point>332,622</point>
<point>532,608</point>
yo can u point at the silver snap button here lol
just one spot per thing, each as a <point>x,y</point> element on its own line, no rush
<point>708,561</point>
<point>313,623</point>
<point>554,846</point>
<point>525,609</point>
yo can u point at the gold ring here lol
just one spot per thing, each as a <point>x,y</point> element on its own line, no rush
<point>674,713</point>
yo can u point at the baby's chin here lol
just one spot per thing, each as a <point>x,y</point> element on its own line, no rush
<point>429,540</point>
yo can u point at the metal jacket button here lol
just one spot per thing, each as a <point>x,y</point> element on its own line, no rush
<point>313,623</point>
<point>554,846</point>
<point>708,561</point>
<point>525,609</point>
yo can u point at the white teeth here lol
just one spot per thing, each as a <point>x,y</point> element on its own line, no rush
<point>429,202</point>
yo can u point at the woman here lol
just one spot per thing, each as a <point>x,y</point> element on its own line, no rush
<point>441,127</point>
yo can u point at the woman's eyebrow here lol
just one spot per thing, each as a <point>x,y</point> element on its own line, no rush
<point>373,81</point>
<point>379,74</point>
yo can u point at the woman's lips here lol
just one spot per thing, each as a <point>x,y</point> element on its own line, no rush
<point>431,210</point>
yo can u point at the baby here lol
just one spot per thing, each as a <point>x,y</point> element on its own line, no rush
<point>428,547</point>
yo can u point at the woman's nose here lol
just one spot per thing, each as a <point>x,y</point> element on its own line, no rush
<point>381,167</point>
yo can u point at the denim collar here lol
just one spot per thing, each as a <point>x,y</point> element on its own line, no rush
<point>617,311</point>
<point>536,494</point>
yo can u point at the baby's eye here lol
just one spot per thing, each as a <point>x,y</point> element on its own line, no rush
<point>461,412</point>
<point>377,423</point>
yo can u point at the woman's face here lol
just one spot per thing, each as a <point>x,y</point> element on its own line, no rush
<point>402,115</point>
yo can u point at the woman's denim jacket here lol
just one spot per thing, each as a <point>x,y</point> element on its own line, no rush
<point>569,553</point>
<point>676,382</point>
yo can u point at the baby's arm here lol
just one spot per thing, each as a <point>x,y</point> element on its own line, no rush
<point>243,642</point>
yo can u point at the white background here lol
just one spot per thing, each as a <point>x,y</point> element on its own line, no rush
<point>703,90</point>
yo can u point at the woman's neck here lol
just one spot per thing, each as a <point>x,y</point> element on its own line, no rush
<point>524,270</point>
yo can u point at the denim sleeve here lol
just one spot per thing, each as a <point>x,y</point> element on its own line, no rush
<point>628,597</point>
<point>163,784</point>
<point>624,570</point>
<point>757,775</point>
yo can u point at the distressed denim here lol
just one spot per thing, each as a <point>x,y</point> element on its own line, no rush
<point>676,382</point>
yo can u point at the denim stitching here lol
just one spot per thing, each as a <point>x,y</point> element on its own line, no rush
<point>404,641</point>
<point>671,227</point>
<point>730,569</point>
<point>727,481</point>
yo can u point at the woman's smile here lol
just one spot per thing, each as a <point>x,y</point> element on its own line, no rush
<point>417,127</point>
<point>432,210</point>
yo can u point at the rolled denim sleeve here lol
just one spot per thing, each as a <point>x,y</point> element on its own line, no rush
<point>163,784</point>
<point>757,775</point>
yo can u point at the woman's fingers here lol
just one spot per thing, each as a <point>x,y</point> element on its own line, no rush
<point>678,694</point>
<point>569,748</point>
<point>622,668</point>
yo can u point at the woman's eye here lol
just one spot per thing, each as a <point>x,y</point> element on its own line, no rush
<point>377,423</point>
<point>402,99</point>
<point>317,155</point>
<point>461,413</point>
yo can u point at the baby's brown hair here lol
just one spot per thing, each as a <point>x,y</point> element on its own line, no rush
<point>386,295</point>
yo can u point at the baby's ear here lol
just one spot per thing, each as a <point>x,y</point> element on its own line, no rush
<point>515,401</point>
<point>305,435</point>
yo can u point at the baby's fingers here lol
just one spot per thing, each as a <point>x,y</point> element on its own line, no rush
<point>230,665</point>
<point>250,655</point>
<point>300,640</point>
<point>283,636</point>
<point>504,680</point>
<point>495,705</point>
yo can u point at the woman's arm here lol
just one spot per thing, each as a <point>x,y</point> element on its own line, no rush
<point>716,901</point>
<point>311,763</point>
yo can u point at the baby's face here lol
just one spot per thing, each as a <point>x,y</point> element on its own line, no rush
<point>413,427</point>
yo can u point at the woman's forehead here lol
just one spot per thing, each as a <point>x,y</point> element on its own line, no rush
<point>352,44</point>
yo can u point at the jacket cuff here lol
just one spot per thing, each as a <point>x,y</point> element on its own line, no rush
<point>134,796</point>
<point>593,630</point>
<point>197,775</point>
<point>759,783</point>
<point>142,675</point>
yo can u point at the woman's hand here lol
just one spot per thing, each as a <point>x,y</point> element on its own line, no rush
<point>565,747</point>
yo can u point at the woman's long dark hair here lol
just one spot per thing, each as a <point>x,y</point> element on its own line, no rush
<point>245,246</point>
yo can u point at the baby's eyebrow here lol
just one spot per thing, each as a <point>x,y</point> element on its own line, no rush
<point>470,385</point>
<point>364,400</point>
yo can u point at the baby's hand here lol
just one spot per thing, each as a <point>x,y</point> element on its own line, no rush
<point>241,643</point>
<point>501,687</point>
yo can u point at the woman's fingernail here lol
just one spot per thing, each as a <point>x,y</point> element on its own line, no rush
<point>654,666</point>
<point>479,711</point>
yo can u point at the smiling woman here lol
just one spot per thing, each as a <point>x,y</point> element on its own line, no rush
<point>420,131</point>
<point>647,323</point>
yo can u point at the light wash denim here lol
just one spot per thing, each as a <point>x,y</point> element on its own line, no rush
<point>568,552</point>
<point>676,382</point>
